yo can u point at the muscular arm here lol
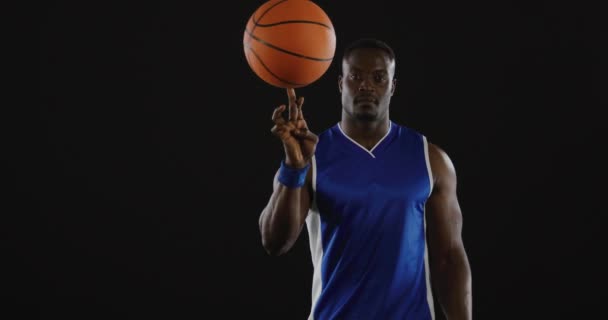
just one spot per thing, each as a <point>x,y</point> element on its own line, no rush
<point>450,270</point>
<point>283,217</point>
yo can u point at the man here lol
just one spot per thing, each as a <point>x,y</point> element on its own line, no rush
<point>372,194</point>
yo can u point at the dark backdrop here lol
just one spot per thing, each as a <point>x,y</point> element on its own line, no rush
<point>140,189</point>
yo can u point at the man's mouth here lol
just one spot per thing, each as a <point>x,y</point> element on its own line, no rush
<point>368,99</point>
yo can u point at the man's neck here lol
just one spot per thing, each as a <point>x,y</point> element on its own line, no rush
<point>365,133</point>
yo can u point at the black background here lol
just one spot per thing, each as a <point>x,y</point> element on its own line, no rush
<point>140,190</point>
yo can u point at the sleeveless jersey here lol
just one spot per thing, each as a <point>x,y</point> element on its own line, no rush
<point>366,227</point>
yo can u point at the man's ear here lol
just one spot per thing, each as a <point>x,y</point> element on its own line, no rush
<point>340,83</point>
<point>394,86</point>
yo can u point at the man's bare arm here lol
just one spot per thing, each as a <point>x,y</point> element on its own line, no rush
<point>450,270</point>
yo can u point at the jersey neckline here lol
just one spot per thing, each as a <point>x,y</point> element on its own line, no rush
<point>375,147</point>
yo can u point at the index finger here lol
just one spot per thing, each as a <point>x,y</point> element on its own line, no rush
<point>293,106</point>
<point>291,95</point>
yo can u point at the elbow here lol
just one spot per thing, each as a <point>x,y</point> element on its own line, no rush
<point>277,242</point>
<point>278,237</point>
<point>450,259</point>
<point>273,247</point>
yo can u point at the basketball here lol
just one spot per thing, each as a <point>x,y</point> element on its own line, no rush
<point>289,43</point>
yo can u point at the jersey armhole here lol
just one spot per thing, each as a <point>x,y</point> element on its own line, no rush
<point>428,164</point>
<point>313,199</point>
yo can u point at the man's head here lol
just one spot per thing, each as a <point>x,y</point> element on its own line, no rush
<point>368,79</point>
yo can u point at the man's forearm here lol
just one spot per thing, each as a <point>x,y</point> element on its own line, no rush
<point>452,279</point>
<point>282,219</point>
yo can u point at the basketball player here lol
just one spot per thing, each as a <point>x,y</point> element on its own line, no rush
<point>374,195</point>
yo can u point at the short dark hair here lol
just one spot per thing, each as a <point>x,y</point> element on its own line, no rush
<point>368,43</point>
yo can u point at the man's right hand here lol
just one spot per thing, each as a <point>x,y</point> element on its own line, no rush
<point>298,141</point>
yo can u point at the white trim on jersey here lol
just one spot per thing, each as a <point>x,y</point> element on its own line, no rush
<point>362,147</point>
<point>313,224</point>
<point>428,164</point>
<point>427,271</point>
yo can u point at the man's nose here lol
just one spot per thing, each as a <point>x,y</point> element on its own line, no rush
<point>366,84</point>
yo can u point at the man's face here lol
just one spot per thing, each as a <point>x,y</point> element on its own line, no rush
<point>367,84</point>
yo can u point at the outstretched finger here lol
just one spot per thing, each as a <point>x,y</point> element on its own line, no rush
<point>277,116</point>
<point>293,105</point>
<point>291,95</point>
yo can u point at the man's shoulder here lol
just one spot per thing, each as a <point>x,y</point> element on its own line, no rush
<point>441,163</point>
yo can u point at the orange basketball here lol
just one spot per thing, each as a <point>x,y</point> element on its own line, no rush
<point>289,43</point>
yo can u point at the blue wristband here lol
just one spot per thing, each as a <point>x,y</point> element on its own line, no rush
<point>292,177</point>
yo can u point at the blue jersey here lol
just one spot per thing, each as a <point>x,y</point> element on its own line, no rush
<point>366,227</point>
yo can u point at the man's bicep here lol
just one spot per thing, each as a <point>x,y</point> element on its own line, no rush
<point>444,217</point>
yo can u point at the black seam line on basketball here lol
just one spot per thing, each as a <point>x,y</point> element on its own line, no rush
<point>286,51</point>
<point>272,73</point>
<point>266,25</point>
<point>269,71</point>
<point>264,13</point>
